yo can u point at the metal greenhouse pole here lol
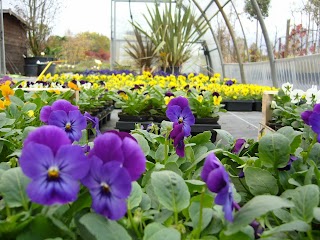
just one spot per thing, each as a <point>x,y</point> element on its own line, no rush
<point>203,14</point>
<point>225,17</point>
<point>267,40</point>
<point>2,48</point>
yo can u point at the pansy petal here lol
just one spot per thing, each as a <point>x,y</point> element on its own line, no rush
<point>107,147</point>
<point>173,113</point>
<point>211,163</point>
<point>134,159</point>
<point>45,113</point>
<point>35,159</point>
<point>123,135</point>
<point>78,121</point>
<point>110,207</point>
<point>228,206</point>
<point>316,108</point>
<point>71,160</point>
<point>187,130</point>
<point>51,136</point>
<point>117,178</point>
<point>55,192</point>
<point>63,105</point>
<point>180,149</point>
<point>188,117</point>
<point>216,181</point>
<point>93,178</point>
<point>180,101</point>
<point>305,116</point>
<point>58,118</point>
<point>314,122</point>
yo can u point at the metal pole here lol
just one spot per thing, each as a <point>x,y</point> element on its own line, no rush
<point>234,40</point>
<point>267,40</point>
<point>2,47</point>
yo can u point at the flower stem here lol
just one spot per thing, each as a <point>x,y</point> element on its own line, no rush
<point>133,224</point>
<point>198,232</point>
<point>166,147</point>
<point>309,233</point>
<point>305,157</point>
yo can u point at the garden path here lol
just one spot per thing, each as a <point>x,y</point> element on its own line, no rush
<point>238,124</point>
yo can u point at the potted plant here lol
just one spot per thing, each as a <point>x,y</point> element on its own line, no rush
<point>205,105</point>
<point>174,31</point>
<point>142,51</point>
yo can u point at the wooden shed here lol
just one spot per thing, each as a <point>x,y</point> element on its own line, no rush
<point>15,39</point>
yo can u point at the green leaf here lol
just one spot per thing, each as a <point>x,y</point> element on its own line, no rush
<point>256,207</point>
<point>246,233</point>
<point>293,136</point>
<point>260,181</point>
<point>17,101</point>
<point>145,203</point>
<point>314,153</point>
<point>156,231</point>
<point>135,196</point>
<point>172,166</point>
<point>305,199</point>
<point>201,138</point>
<point>28,106</point>
<point>160,153</point>
<point>143,143</point>
<point>96,227</point>
<point>226,136</point>
<point>296,225</point>
<point>316,213</point>
<point>274,150</point>
<point>194,212</point>
<point>171,190</point>
<point>13,185</point>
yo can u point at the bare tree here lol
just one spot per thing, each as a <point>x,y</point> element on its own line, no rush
<point>39,16</point>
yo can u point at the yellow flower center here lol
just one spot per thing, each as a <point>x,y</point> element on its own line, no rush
<point>68,127</point>
<point>180,120</point>
<point>105,187</point>
<point>53,173</point>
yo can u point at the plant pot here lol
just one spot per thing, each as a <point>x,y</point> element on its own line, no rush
<point>199,128</point>
<point>51,69</point>
<point>160,118</point>
<point>274,126</point>
<point>31,70</point>
<point>257,106</point>
<point>176,70</point>
<point>35,60</point>
<point>239,105</point>
<point>207,120</point>
<point>132,118</point>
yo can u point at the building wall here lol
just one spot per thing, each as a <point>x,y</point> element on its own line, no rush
<point>15,39</point>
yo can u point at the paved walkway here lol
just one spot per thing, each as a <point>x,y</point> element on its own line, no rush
<point>239,124</point>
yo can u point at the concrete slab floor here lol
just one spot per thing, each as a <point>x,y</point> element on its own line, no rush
<point>238,124</point>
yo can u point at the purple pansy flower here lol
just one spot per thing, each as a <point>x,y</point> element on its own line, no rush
<point>54,166</point>
<point>94,121</point>
<point>111,147</point>
<point>238,145</point>
<point>177,134</point>
<point>72,122</point>
<point>217,180</point>
<point>229,82</point>
<point>312,118</point>
<point>109,184</point>
<point>178,111</point>
<point>60,104</point>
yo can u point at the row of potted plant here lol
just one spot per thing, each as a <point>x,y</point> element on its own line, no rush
<point>156,183</point>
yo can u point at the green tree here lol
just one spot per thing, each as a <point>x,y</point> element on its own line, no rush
<point>264,8</point>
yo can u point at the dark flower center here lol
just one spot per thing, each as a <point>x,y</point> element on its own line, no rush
<point>53,173</point>
<point>68,127</point>
<point>105,187</point>
<point>180,120</point>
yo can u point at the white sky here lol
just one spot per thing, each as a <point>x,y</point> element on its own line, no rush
<point>95,16</point>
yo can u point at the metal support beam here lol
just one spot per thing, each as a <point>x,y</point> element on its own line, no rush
<point>2,47</point>
<point>267,40</point>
